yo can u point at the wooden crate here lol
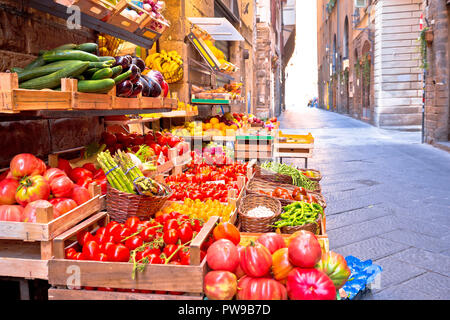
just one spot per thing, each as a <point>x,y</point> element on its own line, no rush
<point>249,145</point>
<point>25,247</point>
<point>13,99</point>
<point>293,146</point>
<point>67,294</point>
<point>95,8</point>
<point>118,275</point>
<point>170,103</point>
<point>117,19</point>
<point>87,101</point>
<point>150,103</point>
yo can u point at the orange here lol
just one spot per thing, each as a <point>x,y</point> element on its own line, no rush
<point>214,121</point>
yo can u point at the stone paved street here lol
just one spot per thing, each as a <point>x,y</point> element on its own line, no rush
<point>388,199</point>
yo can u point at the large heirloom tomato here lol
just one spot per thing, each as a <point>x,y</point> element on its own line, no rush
<point>80,194</point>
<point>334,265</point>
<point>61,187</point>
<point>220,285</point>
<point>260,289</point>
<point>272,241</point>
<point>222,255</point>
<point>310,284</point>
<point>62,205</point>
<point>29,213</point>
<point>10,213</point>
<point>304,250</point>
<point>32,189</point>
<point>256,260</point>
<point>53,173</point>
<point>281,265</point>
<point>8,189</point>
<point>26,164</point>
<point>226,230</point>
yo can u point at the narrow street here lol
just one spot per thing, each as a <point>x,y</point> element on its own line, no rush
<point>388,200</point>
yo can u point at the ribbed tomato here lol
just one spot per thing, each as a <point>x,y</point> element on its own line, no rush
<point>80,194</point>
<point>61,187</point>
<point>281,265</point>
<point>53,173</point>
<point>62,205</point>
<point>8,189</point>
<point>239,272</point>
<point>32,189</point>
<point>304,250</point>
<point>10,213</point>
<point>265,288</point>
<point>309,284</point>
<point>222,255</point>
<point>334,265</point>
<point>227,230</point>
<point>220,285</point>
<point>29,213</point>
<point>26,164</point>
<point>256,260</point>
<point>272,241</point>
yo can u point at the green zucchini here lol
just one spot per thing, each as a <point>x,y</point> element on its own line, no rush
<point>53,80</point>
<point>102,74</point>
<point>90,72</point>
<point>96,86</point>
<point>106,58</point>
<point>57,55</point>
<point>43,70</point>
<point>88,47</point>
<point>122,77</point>
<point>68,46</point>
<point>103,64</point>
<point>35,63</point>
<point>116,70</point>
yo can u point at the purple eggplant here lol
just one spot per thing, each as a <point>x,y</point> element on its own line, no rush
<point>137,88</point>
<point>122,61</point>
<point>135,73</point>
<point>154,74</point>
<point>124,89</point>
<point>146,89</point>
<point>155,88</point>
<point>139,63</point>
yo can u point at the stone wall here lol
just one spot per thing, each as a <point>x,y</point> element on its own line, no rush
<point>398,76</point>
<point>437,106</point>
<point>23,32</point>
<point>263,69</point>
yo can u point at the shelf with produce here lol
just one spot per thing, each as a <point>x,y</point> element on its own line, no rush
<point>179,114</point>
<point>119,28</point>
<point>210,101</point>
<point>187,279</point>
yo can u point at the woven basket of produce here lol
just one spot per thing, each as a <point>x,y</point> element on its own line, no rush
<point>271,176</point>
<point>311,174</point>
<point>285,193</point>
<point>297,176</point>
<point>121,205</point>
<point>300,216</point>
<point>258,213</point>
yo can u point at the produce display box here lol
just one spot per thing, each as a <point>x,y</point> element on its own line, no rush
<point>250,145</point>
<point>26,247</point>
<point>293,146</point>
<point>99,9</point>
<point>118,275</point>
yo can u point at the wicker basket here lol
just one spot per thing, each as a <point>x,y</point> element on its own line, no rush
<point>317,172</point>
<point>256,185</point>
<point>121,205</point>
<point>272,176</point>
<point>258,225</point>
<point>312,227</point>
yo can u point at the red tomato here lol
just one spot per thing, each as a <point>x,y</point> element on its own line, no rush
<point>156,148</point>
<point>85,182</point>
<point>134,242</point>
<point>80,194</point>
<point>171,236</point>
<point>32,189</point>
<point>69,253</point>
<point>91,249</point>
<point>148,234</point>
<point>90,166</point>
<point>170,224</point>
<point>61,187</point>
<point>80,173</point>
<point>184,256</point>
<point>132,223</point>
<point>260,289</point>
<point>29,213</point>
<point>222,255</point>
<point>104,247</point>
<point>8,188</point>
<point>79,256</point>
<point>113,228</point>
<point>26,164</point>
<point>83,237</point>
<point>220,285</point>
<point>169,250</point>
<point>334,265</point>
<point>118,253</point>
<point>154,259</point>
<point>304,250</point>
<point>53,173</point>
<point>124,233</point>
<point>309,284</point>
<point>11,213</point>
<point>101,257</point>
<point>103,238</point>
<point>226,230</point>
<point>65,166</point>
<point>256,260</point>
<point>102,183</point>
<point>185,233</point>
<point>62,205</point>
<point>99,173</point>
<point>272,241</point>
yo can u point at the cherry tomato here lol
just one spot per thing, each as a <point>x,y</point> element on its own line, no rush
<point>171,236</point>
<point>69,253</point>
<point>154,259</point>
<point>134,242</point>
<point>171,224</point>
<point>185,233</point>
<point>105,246</point>
<point>91,249</point>
<point>83,237</point>
<point>79,256</point>
<point>118,253</point>
<point>101,257</point>
<point>103,238</point>
<point>149,234</point>
<point>125,232</point>
<point>169,250</point>
<point>132,223</point>
<point>113,228</point>
<point>184,255</point>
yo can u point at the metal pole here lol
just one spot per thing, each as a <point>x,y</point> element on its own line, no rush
<point>423,105</point>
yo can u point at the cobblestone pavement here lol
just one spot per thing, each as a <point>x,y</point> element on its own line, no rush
<point>388,199</point>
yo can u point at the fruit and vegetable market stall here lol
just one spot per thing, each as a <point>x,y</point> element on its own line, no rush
<point>148,196</point>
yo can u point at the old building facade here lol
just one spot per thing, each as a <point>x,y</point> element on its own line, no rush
<point>437,100</point>
<point>369,61</point>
